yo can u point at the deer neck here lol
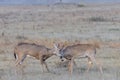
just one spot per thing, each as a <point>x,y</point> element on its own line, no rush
<point>50,51</point>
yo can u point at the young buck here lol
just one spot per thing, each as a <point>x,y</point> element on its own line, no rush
<point>40,52</point>
<point>78,50</point>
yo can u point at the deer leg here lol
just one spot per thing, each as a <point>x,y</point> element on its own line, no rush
<point>70,66</point>
<point>74,63</point>
<point>94,60</point>
<point>41,61</point>
<point>46,66</point>
<point>23,58</point>
<point>20,59</point>
<point>89,64</point>
<point>17,62</point>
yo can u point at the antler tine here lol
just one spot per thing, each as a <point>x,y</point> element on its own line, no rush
<point>59,45</point>
<point>55,45</point>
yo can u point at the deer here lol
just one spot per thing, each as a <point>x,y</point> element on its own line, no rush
<point>78,50</point>
<point>40,52</point>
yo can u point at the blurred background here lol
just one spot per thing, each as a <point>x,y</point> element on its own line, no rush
<point>36,2</point>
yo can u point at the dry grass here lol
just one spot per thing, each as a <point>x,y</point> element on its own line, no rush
<point>67,25</point>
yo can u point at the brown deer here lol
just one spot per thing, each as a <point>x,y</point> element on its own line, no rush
<point>40,52</point>
<point>78,50</point>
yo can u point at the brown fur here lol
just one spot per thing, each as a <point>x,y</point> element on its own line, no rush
<point>40,52</point>
<point>81,50</point>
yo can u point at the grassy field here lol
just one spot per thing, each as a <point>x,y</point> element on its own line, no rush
<point>60,23</point>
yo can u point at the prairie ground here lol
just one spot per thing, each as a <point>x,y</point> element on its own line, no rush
<point>60,23</point>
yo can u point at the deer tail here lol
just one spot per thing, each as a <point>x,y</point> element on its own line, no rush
<point>15,55</point>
